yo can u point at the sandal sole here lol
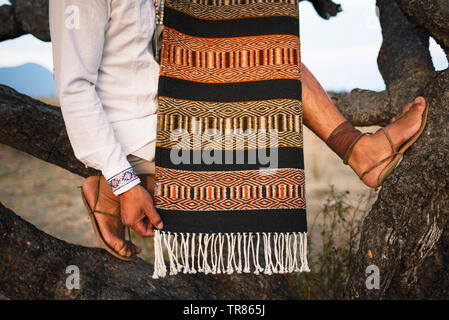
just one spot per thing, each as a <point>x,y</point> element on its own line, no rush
<point>96,228</point>
<point>397,159</point>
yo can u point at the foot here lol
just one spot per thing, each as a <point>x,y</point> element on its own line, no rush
<point>112,229</point>
<point>373,148</point>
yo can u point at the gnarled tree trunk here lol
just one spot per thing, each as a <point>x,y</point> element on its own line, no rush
<point>406,233</point>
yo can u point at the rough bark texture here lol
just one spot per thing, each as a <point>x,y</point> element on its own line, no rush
<point>33,266</point>
<point>404,54</point>
<point>431,16</point>
<point>25,16</point>
<point>10,28</point>
<point>406,233</point>
<point>38,129</point>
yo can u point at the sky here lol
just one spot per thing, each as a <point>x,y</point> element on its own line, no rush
<point>341,52</point>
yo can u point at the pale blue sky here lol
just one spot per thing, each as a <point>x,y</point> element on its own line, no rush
<point>341,52</point>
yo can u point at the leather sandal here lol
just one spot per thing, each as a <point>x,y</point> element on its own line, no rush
<point>343,139</point>
<point>96,226</point>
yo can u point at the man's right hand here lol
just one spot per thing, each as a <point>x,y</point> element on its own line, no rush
<point>138,212</point>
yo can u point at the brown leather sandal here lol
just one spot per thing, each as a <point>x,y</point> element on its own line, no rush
<point>96,227</point>
<point>343,139</point>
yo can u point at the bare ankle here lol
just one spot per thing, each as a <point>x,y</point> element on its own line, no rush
<point>360,152</point>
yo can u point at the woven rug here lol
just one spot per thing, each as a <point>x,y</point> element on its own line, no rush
<point>230,184</point>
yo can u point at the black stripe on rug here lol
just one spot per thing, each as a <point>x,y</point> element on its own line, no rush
<point>279,220</point>
<point>230,28</point>
<point>288,157</point>
<point>230,92</point>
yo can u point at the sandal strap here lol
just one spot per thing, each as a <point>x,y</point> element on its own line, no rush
<point>378,164</point>
<point>395,152</point>
<point>351,146</point>
<point>105,197</point>
<point>129,233</point>
<point>97,197</point>
<point>385,131</point>
<point>97,193</point>
<point>343,139</point>
<point>107,214</point>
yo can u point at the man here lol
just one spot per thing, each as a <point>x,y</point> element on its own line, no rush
<point>107,80</point>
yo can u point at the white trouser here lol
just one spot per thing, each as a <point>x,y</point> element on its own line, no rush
<point>142,160</point>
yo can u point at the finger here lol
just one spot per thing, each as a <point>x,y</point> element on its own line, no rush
<point>143,228</point>
<point>153,216</point>
<point>124,217</point>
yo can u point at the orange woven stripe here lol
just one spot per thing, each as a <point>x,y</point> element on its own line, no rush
<point>222,60</point>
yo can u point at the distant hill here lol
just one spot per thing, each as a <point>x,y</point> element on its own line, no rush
<point>30,79</point>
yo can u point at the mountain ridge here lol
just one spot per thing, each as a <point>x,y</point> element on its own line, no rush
<point>31,79</point>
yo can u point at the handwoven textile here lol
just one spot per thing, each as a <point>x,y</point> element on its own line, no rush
<point>230,184</point>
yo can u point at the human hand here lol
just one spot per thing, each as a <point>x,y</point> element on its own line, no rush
<point>138,212</point>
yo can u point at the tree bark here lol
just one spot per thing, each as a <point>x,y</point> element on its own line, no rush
<point>38,129</point>
<point>33,266</point>
<point>406,233</point>
<point>10,28</point>
<point>25,16</point>
<point>431,16</point>
<point>404,55</point>
<point>325,8</point>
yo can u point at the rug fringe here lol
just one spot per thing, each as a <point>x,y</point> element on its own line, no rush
<point>204,253</point>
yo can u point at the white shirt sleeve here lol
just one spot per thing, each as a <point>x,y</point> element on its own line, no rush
<point>78,34</point>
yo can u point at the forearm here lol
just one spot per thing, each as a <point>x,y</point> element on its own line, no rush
<point>320,114</point>
<point>77,54</point>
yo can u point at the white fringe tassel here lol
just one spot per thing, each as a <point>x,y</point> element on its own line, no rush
<point>197,252</point>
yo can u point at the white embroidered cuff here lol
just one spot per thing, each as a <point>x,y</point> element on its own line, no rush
<point>123,181</point>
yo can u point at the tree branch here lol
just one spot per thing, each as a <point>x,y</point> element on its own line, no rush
<point>38,129</point>
<point>10,29</point>
<point>105,277</point>
<point>404,55</point>
<point>367,108</point>
<point>26,16</point>
<point>431,16</point>
<point>23,17</point>
<point>405,64</point>
<point>326,8</point>
<point>364,107</point>
<point>406,233</point>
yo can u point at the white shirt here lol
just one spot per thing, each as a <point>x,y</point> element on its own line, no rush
<point>107,81</point>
